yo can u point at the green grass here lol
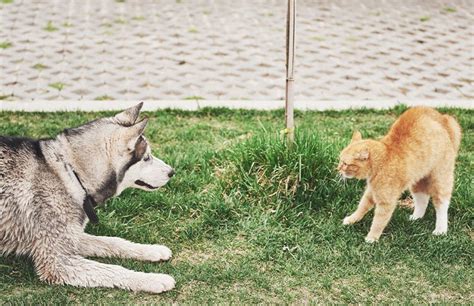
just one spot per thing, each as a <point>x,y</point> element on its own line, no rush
<point>138,18</point>
<point>120,21</point>
<point>5,45</point>
<point>40,66</point>
<point>425,18</point>
<point>318,38</point>
<point>250,221</point>
<point>103,98</point>
<point>106,25</point>
<point>50,27</point>
<point>449,9</point>
<point>57,85</point>
<point>194,98</point>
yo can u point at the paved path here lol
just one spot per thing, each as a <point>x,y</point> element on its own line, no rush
<point>235,50</point>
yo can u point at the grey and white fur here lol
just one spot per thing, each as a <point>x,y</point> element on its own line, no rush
<point>43,187</point>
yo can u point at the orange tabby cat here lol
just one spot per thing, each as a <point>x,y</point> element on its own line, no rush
<point>418,153</point>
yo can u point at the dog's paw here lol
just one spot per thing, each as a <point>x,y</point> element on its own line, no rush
<point>155,253</point>
<point>370,239</point>
<point>156,283</point>
<point>349,220</point>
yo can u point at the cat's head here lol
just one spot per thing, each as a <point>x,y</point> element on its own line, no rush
<point>354,160</point>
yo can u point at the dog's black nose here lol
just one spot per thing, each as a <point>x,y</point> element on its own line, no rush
<point>171,173</point>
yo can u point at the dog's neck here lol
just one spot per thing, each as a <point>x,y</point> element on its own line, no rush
<point>89,202</point>
<point>56,152</point>
<point>91,162</point>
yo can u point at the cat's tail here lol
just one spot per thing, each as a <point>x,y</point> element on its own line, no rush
<point>454,130</point>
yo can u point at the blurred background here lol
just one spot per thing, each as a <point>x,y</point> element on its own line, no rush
<point>235,50</point>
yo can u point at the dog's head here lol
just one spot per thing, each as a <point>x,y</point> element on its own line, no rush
<point>112,154</point>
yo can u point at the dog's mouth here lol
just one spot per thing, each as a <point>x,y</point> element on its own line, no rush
<point>143,184</point>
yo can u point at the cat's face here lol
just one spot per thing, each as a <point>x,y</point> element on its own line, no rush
<point>354,159</point>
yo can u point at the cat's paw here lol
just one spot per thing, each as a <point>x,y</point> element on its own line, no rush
<point>349,220</point>
<point>414,217</point>
<point>370,239</point>
<point>438,232</point>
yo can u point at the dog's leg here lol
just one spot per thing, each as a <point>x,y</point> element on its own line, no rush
<point>80,272</point>
<point>101,246</point>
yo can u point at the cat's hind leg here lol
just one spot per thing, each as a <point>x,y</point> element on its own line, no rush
<point>421,197</point>
<point>441,207</point>
<point>441,189</point>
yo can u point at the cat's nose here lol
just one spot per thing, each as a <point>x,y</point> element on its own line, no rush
<point>171,173</point>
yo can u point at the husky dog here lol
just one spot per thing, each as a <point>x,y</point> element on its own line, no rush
<point>48,190</point>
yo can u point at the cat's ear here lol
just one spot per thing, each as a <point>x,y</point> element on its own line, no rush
<point>362,155</point>
<point>356,136</point>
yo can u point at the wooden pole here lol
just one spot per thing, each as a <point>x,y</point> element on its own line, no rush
<point>290,58</point>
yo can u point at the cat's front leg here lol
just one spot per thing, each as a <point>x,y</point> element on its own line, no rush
<point>365,204</point>
<point>382,215</point>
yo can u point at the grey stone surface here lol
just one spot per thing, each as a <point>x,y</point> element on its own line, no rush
<point>235,50</point>
<point>193,105</point>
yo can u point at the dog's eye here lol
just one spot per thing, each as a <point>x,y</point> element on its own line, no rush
<point>147,158</point>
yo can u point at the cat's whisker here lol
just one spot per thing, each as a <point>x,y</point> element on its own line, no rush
<point>341,179</point>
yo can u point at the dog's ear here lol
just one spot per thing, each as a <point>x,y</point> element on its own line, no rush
<point>356,136</point>
<point>135,131</point>
<point>138,128</point>
<point>140,147</point>
<point>129,116</point>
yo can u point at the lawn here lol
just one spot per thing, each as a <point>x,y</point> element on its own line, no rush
<point>250,221</point>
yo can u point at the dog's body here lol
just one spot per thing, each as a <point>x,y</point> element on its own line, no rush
<point>46,191</point>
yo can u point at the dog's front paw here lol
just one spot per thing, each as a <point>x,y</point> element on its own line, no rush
<point>156,253</point>
<point>349,220</point>
<point>155,283</point>
<point>371,239</point>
